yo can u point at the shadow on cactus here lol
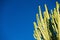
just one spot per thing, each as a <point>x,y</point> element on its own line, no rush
<point>48,26</point>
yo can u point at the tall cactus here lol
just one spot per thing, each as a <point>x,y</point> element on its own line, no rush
<point>48,26</point>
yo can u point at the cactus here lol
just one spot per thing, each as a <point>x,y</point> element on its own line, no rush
<point>47,27</point>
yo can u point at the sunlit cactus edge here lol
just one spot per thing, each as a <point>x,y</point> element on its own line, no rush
<point>47,26</point>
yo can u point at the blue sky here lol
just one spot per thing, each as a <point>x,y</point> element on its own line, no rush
<point>17,17</point>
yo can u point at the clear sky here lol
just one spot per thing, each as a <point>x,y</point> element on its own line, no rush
<point>17,17</point>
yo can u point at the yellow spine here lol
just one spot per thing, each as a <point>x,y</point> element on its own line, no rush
<point>41,28</point>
